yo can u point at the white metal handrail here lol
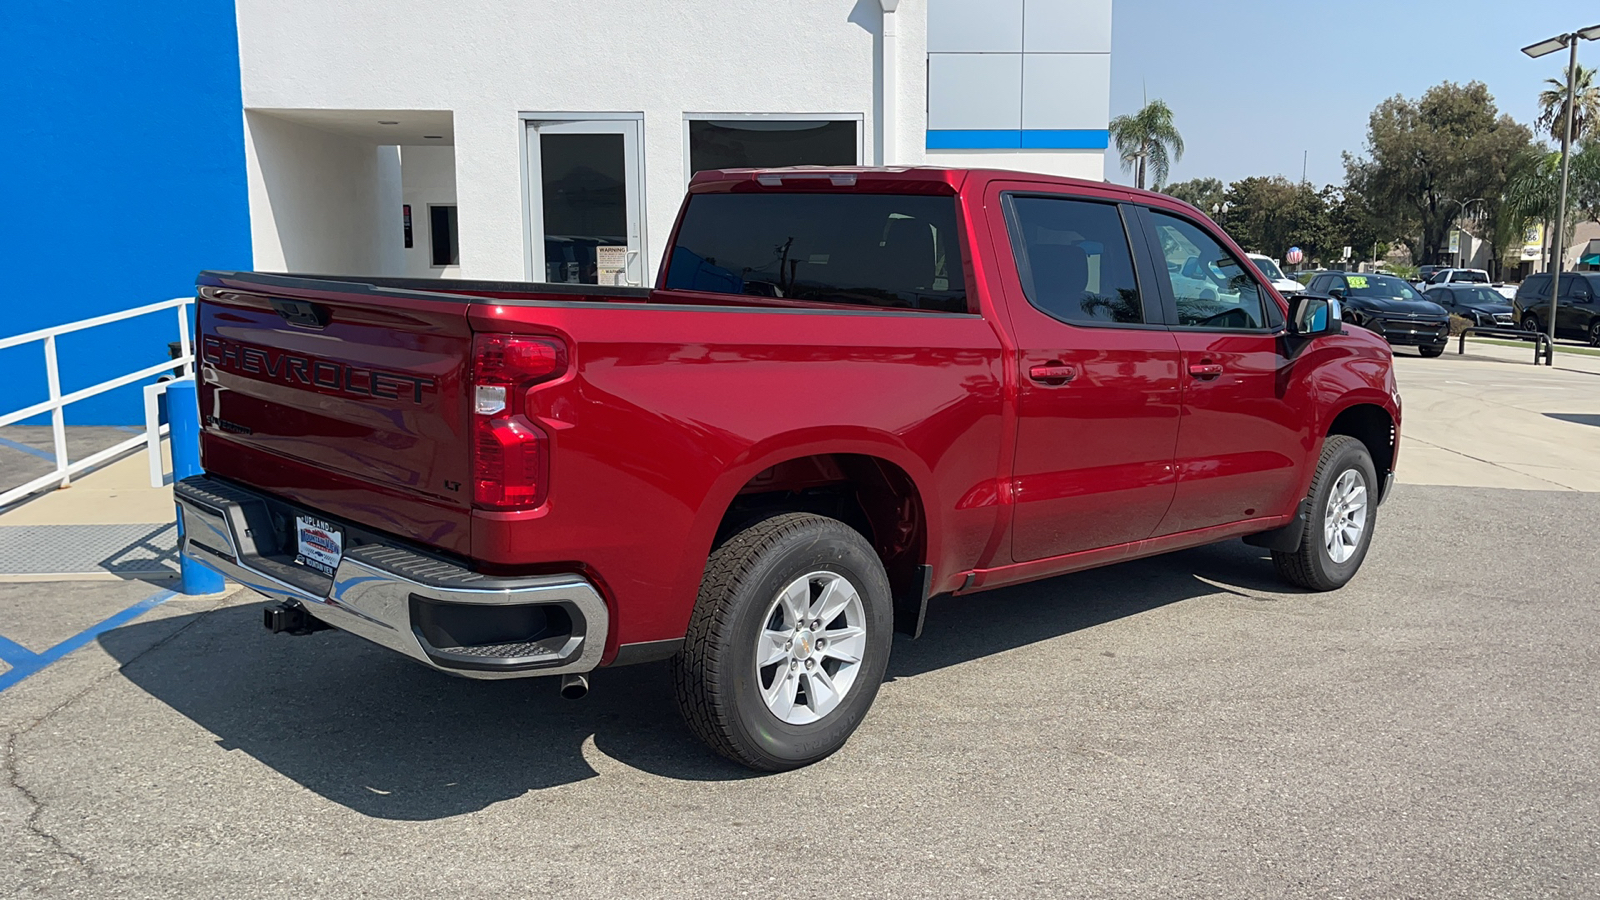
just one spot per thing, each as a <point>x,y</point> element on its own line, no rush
<point>56,405</point>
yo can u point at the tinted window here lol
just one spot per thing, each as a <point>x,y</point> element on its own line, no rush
<point>1381,287</point>
<point>1479,296</point>
<point>1471,277</point>
<point>1211,287</point>
<point>1575,286</point>
<point>764,143</point>
<point>1073,259</point>
<point>883,250</point>
<point>1535,286</point>
<point>444,240</point>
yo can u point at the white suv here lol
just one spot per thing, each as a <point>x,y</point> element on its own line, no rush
<point>1467,276</point>
<point>1269,268</point>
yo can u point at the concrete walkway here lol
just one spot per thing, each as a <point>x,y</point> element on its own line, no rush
<point>108,524</point>
<point>1493,419</point>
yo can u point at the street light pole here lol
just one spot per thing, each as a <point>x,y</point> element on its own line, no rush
<point>1569,41</point>
<point>1561,203</point>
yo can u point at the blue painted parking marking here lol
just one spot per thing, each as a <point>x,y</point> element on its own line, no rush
<point>42,454</point>
<point>25,662</point>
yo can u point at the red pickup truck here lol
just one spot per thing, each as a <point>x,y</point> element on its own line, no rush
<point>851,389</point>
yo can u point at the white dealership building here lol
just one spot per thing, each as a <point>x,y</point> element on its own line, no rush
<point>552,141</point>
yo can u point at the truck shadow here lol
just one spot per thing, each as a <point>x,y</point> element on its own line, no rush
<point>387,738</point>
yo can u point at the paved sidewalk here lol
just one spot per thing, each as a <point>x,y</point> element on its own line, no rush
<point>1486,420</point>
<point>1572,362</point>
<point>108,524</point>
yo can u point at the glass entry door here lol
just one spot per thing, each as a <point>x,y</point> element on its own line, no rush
<point>586,201</point>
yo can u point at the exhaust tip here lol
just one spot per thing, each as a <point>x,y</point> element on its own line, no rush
<point>574,687</point>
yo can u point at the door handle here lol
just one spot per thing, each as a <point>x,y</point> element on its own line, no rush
<point>1205,370</point>
<point>1053,373</point>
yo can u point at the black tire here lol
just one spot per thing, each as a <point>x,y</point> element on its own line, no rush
<point>1310,566</point>
<point>715,677</point>
<point>1530,322</point>
<point>1431,350</point>
<point>1594,333</point>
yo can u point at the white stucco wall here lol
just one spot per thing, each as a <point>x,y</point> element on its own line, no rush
<point>428,176</point>
<point>480,64</point>
<point>487,61</point>
<point>314,199</point>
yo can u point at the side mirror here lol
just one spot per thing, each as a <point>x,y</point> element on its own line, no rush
<point>1311,316</point>
<point>1336,293</point>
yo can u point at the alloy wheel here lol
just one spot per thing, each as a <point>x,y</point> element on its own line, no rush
<point>1345,519</point>
<point>809,651</point>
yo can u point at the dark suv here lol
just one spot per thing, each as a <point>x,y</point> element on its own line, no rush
<point>1577,310</point>
<point>1389,306</point>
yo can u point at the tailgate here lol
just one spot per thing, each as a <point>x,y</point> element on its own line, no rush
<point>332,386</point>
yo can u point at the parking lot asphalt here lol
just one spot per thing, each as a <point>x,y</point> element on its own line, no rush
<point>1178,727</point>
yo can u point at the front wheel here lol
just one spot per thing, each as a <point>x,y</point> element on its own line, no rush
<point>788,642</point>
<point>1343,511</point>
<point>1594,333</point>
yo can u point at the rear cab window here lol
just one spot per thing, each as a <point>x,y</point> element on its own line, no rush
<point>889,251</point>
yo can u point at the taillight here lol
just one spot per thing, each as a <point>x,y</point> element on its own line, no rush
<point>510,454</point>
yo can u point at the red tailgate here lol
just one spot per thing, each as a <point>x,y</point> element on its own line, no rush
<point>345,400</point>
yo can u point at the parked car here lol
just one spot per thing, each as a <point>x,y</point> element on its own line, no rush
<point>1469,276</point>
<point>836,402</point>
<point>1479,303</point>
<point>1389,306</point>
<point>1458,276</point>
<point>1577,310</point>
<point>1426,272</point>
<point>1269,267</point>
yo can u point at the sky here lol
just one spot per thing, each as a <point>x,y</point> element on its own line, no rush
<point>1258,86</point>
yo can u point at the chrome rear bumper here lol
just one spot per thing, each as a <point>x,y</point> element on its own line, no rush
<point>396,597</point>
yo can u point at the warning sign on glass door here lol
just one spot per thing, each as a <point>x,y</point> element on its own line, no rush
<point>612,264</point>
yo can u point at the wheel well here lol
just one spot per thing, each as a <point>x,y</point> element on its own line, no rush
<point>1371,426</point>
<point>870,494</point>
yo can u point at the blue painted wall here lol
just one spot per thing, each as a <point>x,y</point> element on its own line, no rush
<point>124,174</point>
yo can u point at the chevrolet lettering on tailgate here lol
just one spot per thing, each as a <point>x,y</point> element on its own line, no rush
<point>328,375</point>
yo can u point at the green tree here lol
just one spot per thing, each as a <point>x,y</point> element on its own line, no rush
<point>1553,106</point>
<point>1271,214</point>
<point>1204,194</point>
<point>1425,157</point>
<point>1148,142</point>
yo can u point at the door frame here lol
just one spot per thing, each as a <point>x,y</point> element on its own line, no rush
<point>533,214</point>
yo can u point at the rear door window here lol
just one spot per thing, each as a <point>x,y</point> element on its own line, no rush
<point>880,250</point>
<point>1073,259</point>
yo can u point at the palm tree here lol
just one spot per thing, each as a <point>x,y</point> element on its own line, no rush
<point>1553,106</point>
<point>1148,141</point>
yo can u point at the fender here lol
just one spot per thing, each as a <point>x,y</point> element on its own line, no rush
<point>780,448</point>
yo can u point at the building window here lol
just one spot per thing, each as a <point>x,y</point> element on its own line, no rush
<point>446,247</point>
<point>767,143</point>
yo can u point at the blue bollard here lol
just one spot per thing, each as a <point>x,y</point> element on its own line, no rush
<point>183,414</point>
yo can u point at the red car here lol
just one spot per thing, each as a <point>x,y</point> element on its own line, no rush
<point>851,389</point>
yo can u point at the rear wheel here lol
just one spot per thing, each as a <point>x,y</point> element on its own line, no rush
<point>1530,322</point>
<point>1343,511</point>
<point>788,642</point>
<point>1431,350</point>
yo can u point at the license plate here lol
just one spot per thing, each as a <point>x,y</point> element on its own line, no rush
<point>318,544</point>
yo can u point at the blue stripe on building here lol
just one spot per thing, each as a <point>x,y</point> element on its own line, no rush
<point>128,176</point>
<point>1019,139</point>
